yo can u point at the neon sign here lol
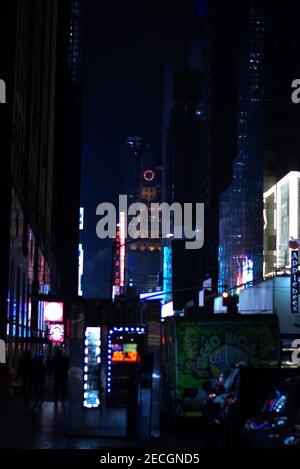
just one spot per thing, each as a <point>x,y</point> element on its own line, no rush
<point>122,248</point>
<point>126,353</point>
<point>294,281</point>
<point>56,332</point>
<point>125,357</point>
<point>53,312</point>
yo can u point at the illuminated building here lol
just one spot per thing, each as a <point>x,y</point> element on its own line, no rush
<point>143,255</point>
<point>28,262</point>
<point>281,222</point>
<point>39,184</point>
<point>267,139</point>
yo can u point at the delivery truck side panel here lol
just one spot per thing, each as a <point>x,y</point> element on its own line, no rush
<point>195,352</point>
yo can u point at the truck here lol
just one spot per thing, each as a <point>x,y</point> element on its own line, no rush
<point>195,352</point>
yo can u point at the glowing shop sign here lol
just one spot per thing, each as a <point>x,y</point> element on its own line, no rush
<point>92,362</point>
<point>112,348</point>
<point>126,357</point>
<point>53,312</point>
<point>294,282</point>
<point>56,332</point>
<point>126,353</point>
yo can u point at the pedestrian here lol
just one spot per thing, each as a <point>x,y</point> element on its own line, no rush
<point>38,378</point>
<point>60,375</point>
<point>26,376</point>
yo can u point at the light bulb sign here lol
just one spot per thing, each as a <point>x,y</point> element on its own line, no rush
<point>56,332</point>
<point>294,281</point>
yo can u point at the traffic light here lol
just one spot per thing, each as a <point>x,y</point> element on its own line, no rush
<point>231,302</point>
<point>226,298</point>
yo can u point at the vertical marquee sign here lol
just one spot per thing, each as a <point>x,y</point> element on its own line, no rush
<point>294,281</point>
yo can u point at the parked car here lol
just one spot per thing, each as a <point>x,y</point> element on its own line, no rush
<point>240,393</point>
<point>278,425</point>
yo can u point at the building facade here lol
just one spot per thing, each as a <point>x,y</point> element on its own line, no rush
<point>30,47</point>
<point>267,141</point>
<point>143,183</point>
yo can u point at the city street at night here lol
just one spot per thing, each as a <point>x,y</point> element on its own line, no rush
<point>150,211</point>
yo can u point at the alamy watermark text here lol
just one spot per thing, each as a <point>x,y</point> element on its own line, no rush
<point>159,220</point>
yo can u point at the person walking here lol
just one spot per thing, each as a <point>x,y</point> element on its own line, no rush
<point>26,376</point>
<point>38,378</point>
<point>60,375</point>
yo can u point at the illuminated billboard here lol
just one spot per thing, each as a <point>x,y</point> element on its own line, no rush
<point>124,353</point>
<point>56,332</point>
<point>81,218</point>
<point>167,310</point>
<point>167,273</point>
<point>281,222</point>
<point>80,269</point>
<point>92,360</point>
<point>53,312</point>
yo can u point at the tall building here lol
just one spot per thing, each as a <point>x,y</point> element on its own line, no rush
<point>39,167</point>
<point>28,266</point>
<point>217,112</point>
<point>142,255</point>
<point>68,141</point>
<point>267,135</point>
<point>181,173</point>
<point>133,157</point>
<point>198,140</point>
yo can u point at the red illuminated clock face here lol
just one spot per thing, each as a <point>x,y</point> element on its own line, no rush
<point>149,175</point>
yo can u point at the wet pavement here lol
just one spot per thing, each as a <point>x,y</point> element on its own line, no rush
<point>44,426</point>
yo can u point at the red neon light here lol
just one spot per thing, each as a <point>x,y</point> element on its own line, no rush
<point>126,357</point>
<point>122,248</point>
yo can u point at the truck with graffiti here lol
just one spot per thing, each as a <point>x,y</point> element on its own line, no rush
<point>194,352</point>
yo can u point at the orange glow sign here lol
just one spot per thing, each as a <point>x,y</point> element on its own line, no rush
<point>125,357</point>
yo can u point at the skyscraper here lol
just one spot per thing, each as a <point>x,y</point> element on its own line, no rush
<point>181,172</point>
<point>143,186</point>
<point>68,141</point>
<point>267,135</point>
<point>40,128</point>
<point>29,261</point>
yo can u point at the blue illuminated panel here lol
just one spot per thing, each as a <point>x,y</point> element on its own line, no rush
<point>167,274</point>
<point>92,362</point>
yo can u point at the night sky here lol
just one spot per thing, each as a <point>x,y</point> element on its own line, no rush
<point>126,47</point>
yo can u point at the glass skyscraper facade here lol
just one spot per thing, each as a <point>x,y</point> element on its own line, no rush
<point>241,241</point>
<point>267,140</point>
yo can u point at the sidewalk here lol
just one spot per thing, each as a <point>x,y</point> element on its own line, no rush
<point>44,427</point>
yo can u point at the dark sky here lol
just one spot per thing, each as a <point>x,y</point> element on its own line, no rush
<point>126,46</point>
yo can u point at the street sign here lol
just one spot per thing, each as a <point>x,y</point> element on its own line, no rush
<point>294,281</point>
